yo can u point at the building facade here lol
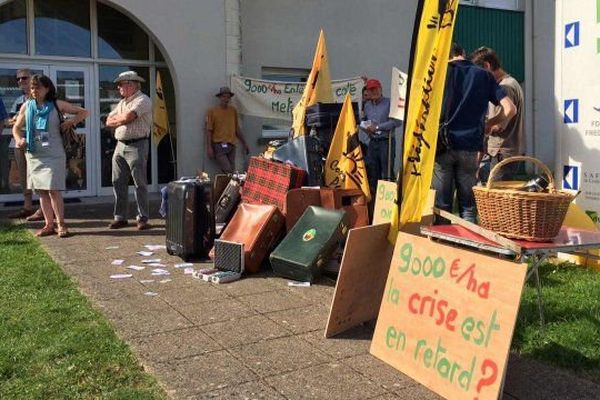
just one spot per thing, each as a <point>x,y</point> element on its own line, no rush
<point>196,45</point>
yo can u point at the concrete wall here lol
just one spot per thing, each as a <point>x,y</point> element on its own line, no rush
<point>363,38</point>
<point>191,36</point>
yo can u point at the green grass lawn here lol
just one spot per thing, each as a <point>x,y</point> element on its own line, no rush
<point>53,344</point>
<point>571,338</point>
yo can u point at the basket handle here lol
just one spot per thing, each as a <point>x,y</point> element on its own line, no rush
<point>509,160</point>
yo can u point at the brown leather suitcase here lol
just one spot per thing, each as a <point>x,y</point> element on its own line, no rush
<point>258,227</point>
<point>352,201</point>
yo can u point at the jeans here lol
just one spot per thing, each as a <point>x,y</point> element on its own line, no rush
<point>455,170</point>
<point>488,162</point>
<point>130,160</point>
<point>377,161</point>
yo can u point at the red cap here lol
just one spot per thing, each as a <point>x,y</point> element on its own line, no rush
<point>373,84</point>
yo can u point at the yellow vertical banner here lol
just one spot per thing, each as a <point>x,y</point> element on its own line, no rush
<point>317,89</point>
<point>345,167</point>
<point>160,118</point>
<point>430,51</point>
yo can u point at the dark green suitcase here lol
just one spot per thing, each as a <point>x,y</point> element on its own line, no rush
<point>305,251</point>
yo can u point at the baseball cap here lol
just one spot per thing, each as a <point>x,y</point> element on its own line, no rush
<point>373,83</point>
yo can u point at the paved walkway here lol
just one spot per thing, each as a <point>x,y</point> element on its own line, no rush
<point>252,339</point>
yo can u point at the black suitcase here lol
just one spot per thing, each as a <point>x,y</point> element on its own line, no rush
<point>304,152</point>
<point>323,117</point>
<point>228,201</point>
<point>190,226</point>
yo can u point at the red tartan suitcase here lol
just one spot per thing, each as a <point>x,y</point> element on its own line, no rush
<point>258,227</point>
<point>353,201</point>
<point>268,182</point>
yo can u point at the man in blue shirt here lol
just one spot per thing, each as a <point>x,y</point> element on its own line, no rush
<point>380,128</point>
<point>468,90</point>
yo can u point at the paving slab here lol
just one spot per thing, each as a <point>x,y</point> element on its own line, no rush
<point>244,331</point>
<point>278,356</point>
<point>333,381</point>
<point>256,338</point>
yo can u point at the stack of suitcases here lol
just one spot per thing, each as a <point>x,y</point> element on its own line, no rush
<point>277,211</point>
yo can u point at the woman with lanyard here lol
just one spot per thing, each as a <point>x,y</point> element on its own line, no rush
<point>46,159</point>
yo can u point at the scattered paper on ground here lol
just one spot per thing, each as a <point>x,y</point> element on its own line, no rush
<point>112,247</point>
<point>154,247</point>
<point>299,284</point>
<point>151,260</point>
<point>117,262</point>
<point>145,253</point>
<point>120,276</point>
<point>136,267</point>
<point>157,265</point>
<point>147,281</point>
<point>166,280</point>
<point>184,265</point>
<point>151,294</point>
<point>188,271</point>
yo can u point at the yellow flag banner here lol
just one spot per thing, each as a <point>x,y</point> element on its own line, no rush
<point>317,89</point>
<point>159,113</point>
<point>432,39</point>
<point>345,167</point>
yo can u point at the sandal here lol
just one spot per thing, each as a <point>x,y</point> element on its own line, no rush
<point>45,232</point>
<point>63,232</point>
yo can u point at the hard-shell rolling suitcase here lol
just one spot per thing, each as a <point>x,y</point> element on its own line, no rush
<point>303,254</point>
<point>304,152</point>
<point>190,225</point>
<point>352,201</point>
<point>258,227</point>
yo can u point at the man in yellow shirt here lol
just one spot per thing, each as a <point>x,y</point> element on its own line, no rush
<point>223,131</point>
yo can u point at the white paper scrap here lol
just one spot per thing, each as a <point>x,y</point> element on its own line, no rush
<point>111,247</point>
<point>117,262</point>
<point>151,294</point>
<point>147,281</point>
<point>184,265</point>
<point>120,276</point>
<point>299,284</point>
<point>154,247</point>
<point>151,260</point>
<point>166,280</point>
<point>136,267</point>
<point>188,271</point>
<point>157,265</point>
<point>145,253</point>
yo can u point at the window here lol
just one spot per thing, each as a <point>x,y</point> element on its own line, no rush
<point>13,27</point>
<point>119,37</point>
<point>62,28</point>
<point>276,128</point>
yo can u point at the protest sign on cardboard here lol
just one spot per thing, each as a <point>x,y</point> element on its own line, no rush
<point>447,317</point>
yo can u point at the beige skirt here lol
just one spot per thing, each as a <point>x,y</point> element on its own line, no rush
<point>46,166</point>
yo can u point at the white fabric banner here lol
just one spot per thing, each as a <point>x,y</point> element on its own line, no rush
<point>577,84</point>
<point>276,99</point>
<point>398,94</point>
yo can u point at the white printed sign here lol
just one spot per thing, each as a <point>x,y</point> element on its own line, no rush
<point>398,94</point>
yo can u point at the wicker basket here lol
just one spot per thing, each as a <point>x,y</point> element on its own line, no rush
<point>534,216</point>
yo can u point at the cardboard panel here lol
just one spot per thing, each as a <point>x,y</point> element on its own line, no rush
<point>447,317</point>
<point>384,202</point>
<point>360,284</point>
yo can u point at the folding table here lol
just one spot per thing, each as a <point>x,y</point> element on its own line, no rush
<point>568,240</point>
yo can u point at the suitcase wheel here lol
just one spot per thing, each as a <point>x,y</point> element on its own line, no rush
<point>169,251</point>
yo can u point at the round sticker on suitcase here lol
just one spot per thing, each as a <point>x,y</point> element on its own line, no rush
<point>309,234</point>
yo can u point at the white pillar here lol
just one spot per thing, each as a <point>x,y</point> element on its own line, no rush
<point>233,32</point>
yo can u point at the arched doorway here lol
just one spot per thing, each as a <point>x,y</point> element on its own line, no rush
<point>82,45</point>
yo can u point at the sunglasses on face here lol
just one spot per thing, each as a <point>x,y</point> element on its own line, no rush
<point>22,78</point>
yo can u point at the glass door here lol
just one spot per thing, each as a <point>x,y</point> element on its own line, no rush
<point>73,85</point>
<point>10,92</point>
